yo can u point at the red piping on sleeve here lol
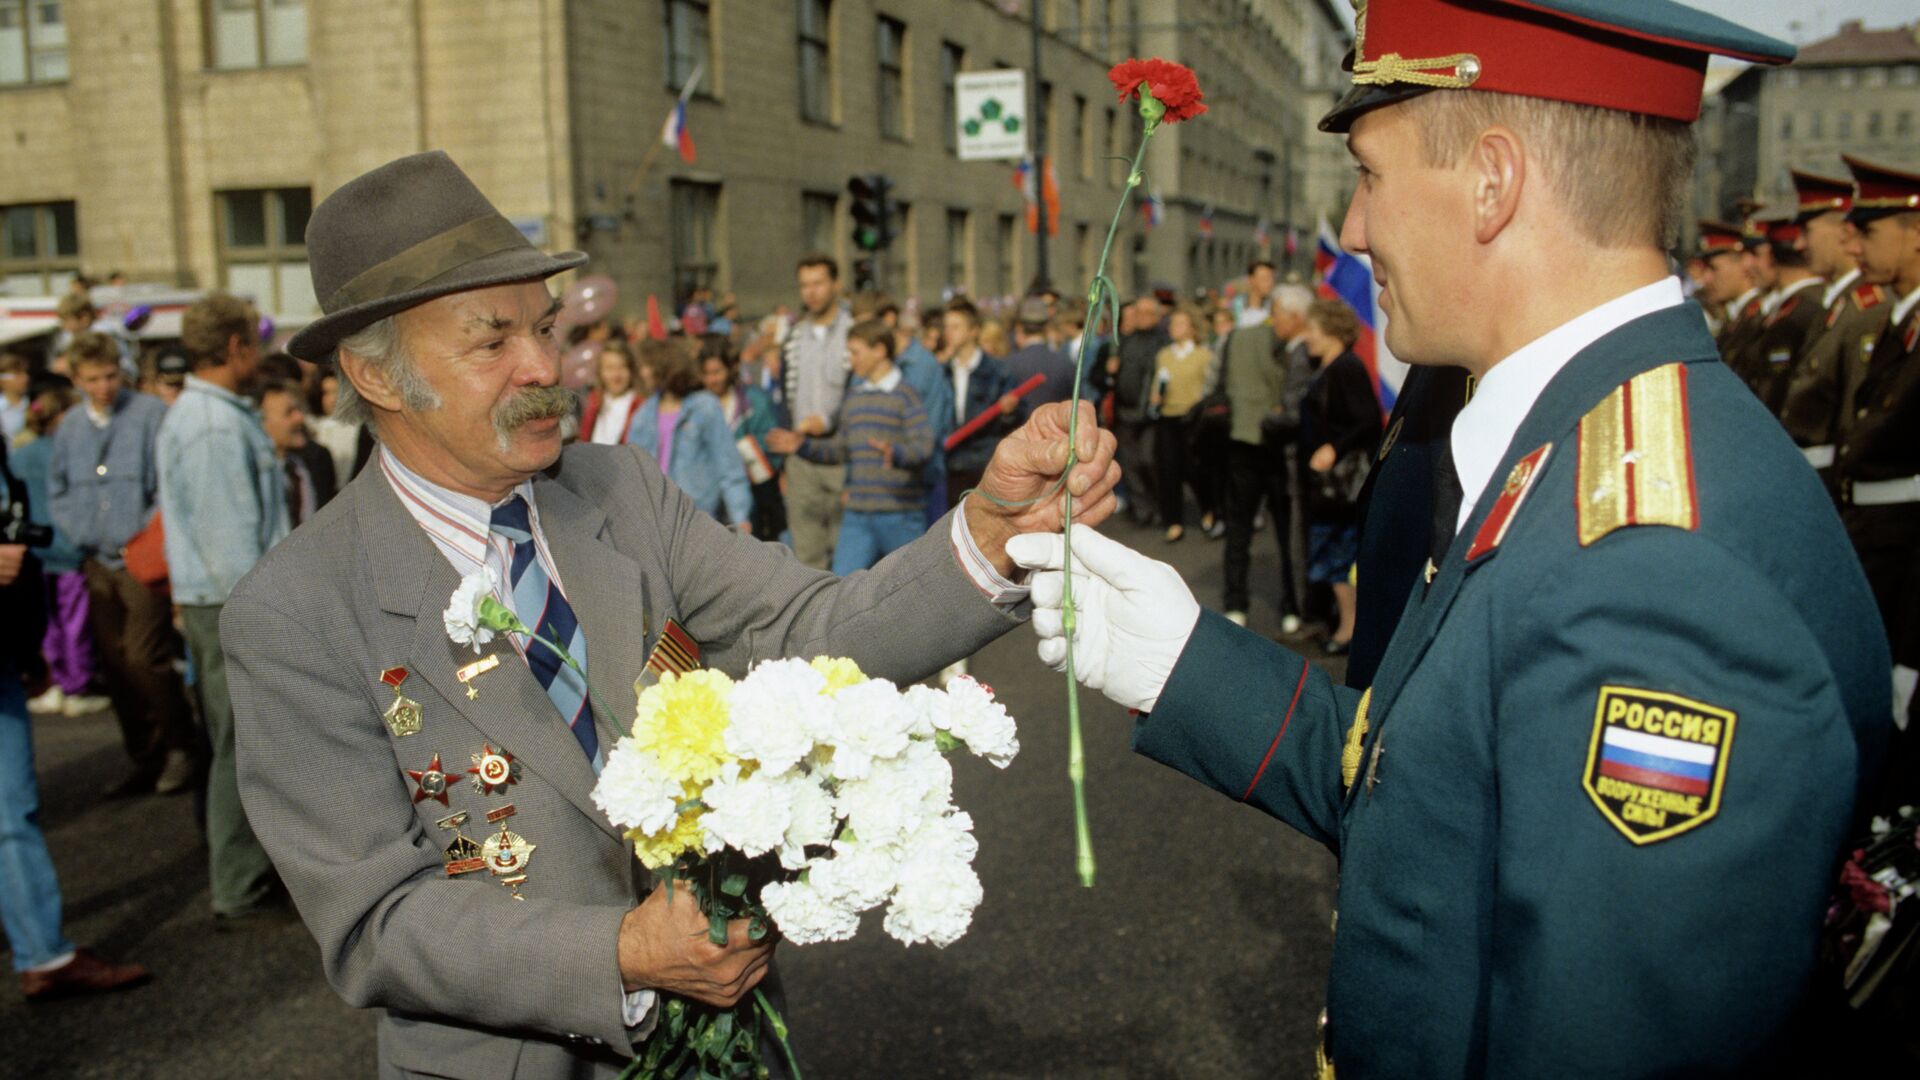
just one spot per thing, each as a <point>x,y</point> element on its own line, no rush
<point>1281,734</point>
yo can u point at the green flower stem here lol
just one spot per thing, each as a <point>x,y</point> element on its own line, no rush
<point>779,1030</point>
<point>502,619</point>
<point>1150,110</point>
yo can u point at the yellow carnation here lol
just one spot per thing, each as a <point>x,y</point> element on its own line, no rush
<point>658,851</point>
<point>682,721</point>
<point>839,671</point>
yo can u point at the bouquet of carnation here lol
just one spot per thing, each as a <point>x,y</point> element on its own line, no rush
<point>798,798</point>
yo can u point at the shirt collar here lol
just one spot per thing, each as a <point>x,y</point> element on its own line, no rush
<point>1839,288</point>
<point>1779,296</point>
<point>1905,306</point>
<point>460,525</point>
<point>973,361</point>
<point>1507,392</point>
<point>1740,302</point>
<point>197,384</point>
<point>886,383</point>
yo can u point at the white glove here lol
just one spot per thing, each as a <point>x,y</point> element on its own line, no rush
<point>1134,615</point>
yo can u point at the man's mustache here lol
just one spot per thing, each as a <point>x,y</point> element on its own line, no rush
<point>539,403</point>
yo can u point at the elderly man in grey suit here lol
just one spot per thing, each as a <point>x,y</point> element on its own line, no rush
<point>429,809</point>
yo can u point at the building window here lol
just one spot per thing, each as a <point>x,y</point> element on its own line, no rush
<point>1874,76</point>
<point>1843,126</point>
<point>816,61</point>
<point>1907,75</point>
<point>1845,78</point>
<point>1903,123</point>
<point>1067,20</point>
<point>1082,136</point>
<point>1789,78</point>
<point>817,216</point>
<point>40,248</point>
<point>33,42</point>
<point>1786,126</point>
<point>1816,125</point>
<point>1083,256</point>
<point>903,258</point>
<point>952,59</point>
<point>959,252</point>
<point>1046,112</point>
<point>257,33</point>
<point>696,246</point>
<point>1873,124</point>
<point>689,42</point>
<point>1005,245</point>
<point>263,248</point>
<point>892,50</point>
<point>1116,167</point>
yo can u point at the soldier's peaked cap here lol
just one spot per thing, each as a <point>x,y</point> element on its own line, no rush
<point>1816,194</point>
<point>1879,190</point>
<point>1640,56</point>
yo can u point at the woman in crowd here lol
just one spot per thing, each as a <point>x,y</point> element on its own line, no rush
<point>750,415</point>
<point>1179,382</point>
<point>341,439</point>
<point>1339,428</point>
<point>615,396</point>
<point>686,431</point>
<point>68,644</point>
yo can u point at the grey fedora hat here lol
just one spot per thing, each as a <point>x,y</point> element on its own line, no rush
<point>398,236</point>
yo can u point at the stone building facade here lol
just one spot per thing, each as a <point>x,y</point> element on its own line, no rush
<point>185,141</point>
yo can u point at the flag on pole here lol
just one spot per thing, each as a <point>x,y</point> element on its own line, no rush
<point>674,134</point>
<point>656,326</point>
<point>1349,278</point>
<point>1292,242</point>
<point>1150,210</point>
<point>1050,188</point>
<point>1206,222</point>
<point>1262,235</point>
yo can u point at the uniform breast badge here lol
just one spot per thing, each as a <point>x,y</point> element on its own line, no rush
<point>463,853</point>
<point>493,770</point>
<point>431,782</point>
<point>403,716</point>
<point>479,667</point>
<point>506,852</point>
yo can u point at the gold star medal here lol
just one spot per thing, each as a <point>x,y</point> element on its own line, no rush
<point>479,667</point>
<point>493,770</point>
<point>403,716</point>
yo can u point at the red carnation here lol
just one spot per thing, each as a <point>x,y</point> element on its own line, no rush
<point>1171,84</point>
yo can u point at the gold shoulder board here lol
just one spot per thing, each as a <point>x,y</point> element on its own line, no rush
<point>1636,457</point>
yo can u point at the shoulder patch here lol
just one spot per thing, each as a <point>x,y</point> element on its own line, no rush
<point>1868,296</point>
<point>1636,458</point>
<point>1656,763</point>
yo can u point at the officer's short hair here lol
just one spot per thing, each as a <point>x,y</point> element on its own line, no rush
<point>1622,176</point>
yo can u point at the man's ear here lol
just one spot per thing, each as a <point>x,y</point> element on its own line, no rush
<point>370,381</point>
<point>1498,163</point>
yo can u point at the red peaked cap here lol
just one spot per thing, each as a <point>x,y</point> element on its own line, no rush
<point>1818,194</point>
<point>1880,190</point>
<point>1648,57</point>
<point>1718,236</point>
<point>1781,231</point>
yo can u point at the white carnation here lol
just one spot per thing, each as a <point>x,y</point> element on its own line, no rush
<point>813,822</point>
<point>462,617</point>
<point>897,796</point>
<point>982,723</point>
<point>777,712</point>
<point>860,875</point>
<point>872,723</point>
<point>805,915</point>
<point>750,815</point>
<point>635,792</point>
<point>926,710</point>
<point>937,891</point>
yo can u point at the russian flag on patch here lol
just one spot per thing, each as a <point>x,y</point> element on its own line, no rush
<point>1657,761</point>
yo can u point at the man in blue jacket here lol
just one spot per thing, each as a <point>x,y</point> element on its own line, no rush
<point>1590,807</point>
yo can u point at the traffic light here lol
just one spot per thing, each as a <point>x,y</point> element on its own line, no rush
<point>872,211</point>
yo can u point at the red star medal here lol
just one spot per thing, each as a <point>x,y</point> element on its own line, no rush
<point>431,782</point>
<point>493,770</point>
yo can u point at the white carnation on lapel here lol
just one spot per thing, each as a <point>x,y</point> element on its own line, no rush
<point>462,616</point>
<point>975,718</point>
<point>635,792</point>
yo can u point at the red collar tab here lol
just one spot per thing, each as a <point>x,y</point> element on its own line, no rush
<point>1512,494</point>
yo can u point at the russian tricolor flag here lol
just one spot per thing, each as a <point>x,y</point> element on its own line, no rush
<point>1656,761</point>
<point>1347,277</point>
<point>674,134</point>
<point>1150,209</point>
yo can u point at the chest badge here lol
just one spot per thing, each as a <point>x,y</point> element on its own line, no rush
<point>463,852</point>
<point>431,782</point>
<point>506,852</point>
<point>472,671</point>
<point>493,770</point>
<point>1657,762</point>
<point>403,716</point>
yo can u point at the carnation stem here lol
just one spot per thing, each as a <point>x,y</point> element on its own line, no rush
<point>1102,288</point>
<point>565,658</point>
<point>779,1030</point>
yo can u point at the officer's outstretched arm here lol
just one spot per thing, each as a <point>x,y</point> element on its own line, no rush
<point>1222,705</point>
<point>1676,774</point>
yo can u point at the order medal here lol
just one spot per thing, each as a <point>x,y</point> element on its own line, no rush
<point>403,716</point>
<point>463,854</point>
<point>506,853</point>
<point>493,770</point>
<point>431,782</point>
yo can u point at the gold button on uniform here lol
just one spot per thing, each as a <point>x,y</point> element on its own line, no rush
<point>99,470</point>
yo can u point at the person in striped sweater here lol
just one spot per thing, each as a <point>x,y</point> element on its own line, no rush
<point>884,439</point>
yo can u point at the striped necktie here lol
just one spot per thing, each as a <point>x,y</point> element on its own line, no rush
<point>533,591</point>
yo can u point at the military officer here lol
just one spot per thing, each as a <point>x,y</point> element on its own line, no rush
<point>1729,291</point>
<point>1880,460</point>
<point>1816,409</point>
<point>1787,315</point>
<point>1589,809</point>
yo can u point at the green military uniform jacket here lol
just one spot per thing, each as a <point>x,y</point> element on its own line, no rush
<point>1818,408</point>
<point>1589,810</point>
<point>1783,337</point>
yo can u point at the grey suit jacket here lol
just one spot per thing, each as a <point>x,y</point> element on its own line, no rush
<point>471,982</point>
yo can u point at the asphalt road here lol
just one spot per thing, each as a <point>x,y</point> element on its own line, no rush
<point>1201,952</point>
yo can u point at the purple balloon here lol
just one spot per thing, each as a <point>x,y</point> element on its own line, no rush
<point>137,317</point>
<point>266,328</point>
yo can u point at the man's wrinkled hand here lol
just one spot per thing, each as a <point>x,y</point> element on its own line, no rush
<point>1133,615</point>
<point>1025,467</point>
<point>664,946</point>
